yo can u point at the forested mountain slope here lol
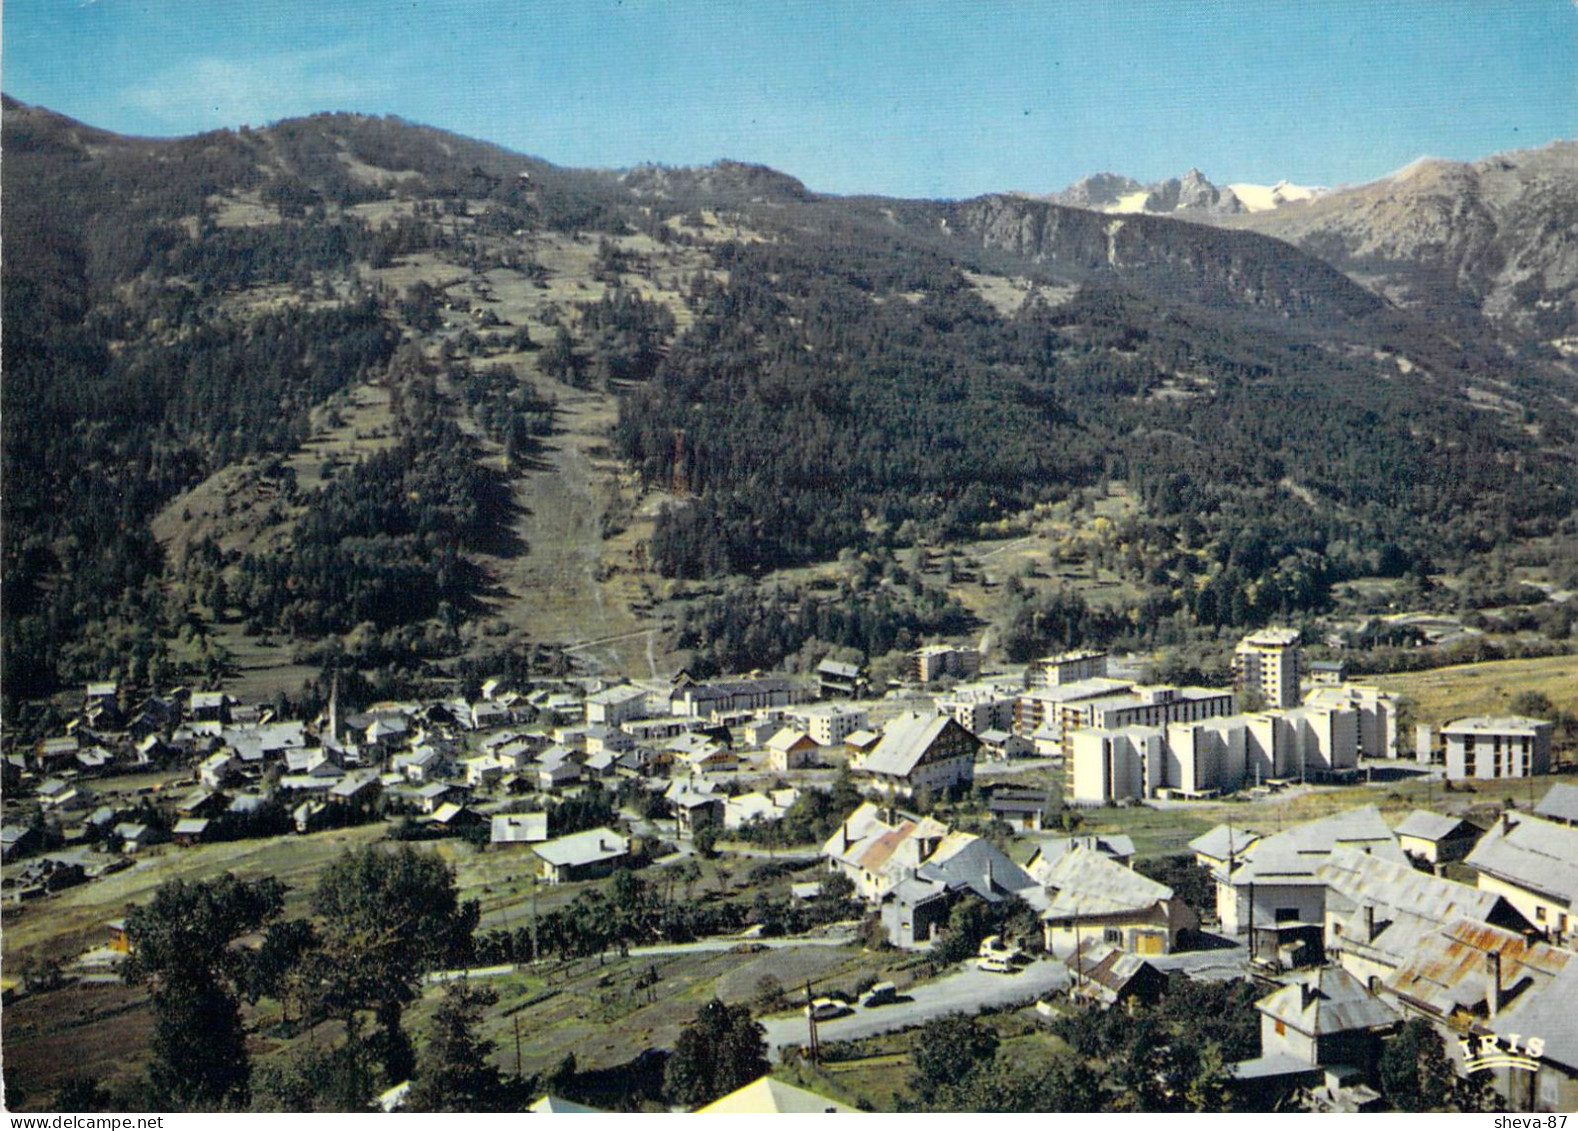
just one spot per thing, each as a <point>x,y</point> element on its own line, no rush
<point>795,376</point>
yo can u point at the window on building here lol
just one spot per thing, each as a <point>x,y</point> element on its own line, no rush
<point>1113,935</point>
<point>1287,915</point>
<point>1539,914</point>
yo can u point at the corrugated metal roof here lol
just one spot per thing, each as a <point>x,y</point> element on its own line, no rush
<point>1367,879</point>
<point>1292,857</point>
<point>1560,803</point>
<point>1547,1013</point>
<point>883,848</point>
<point>1083,882</point>
<point>1327,1001</point>
<point>1107,965</point>
<point>1447,971</point>
<point>1224,840</point>
<point>1531,853</point>
<point>1428,826</point>
<point>847,841</point>
<point>968,861</point>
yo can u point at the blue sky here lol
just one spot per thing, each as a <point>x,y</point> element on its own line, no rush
<point>905,98</point>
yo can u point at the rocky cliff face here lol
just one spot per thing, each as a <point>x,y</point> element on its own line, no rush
<point>1501,232</point>
<point>1199,263</point>
<point>1099,191</point>
<point>1109,192</point>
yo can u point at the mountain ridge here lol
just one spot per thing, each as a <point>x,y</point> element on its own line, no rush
<point>712,371</point>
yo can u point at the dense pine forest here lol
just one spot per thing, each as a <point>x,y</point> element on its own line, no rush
<point>830,396</point>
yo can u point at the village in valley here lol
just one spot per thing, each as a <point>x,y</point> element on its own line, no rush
<point>1020,850</point>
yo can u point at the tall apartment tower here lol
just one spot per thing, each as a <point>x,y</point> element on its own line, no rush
<point>1267,663</point>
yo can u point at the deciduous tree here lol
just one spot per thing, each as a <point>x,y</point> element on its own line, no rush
<point>181,950</point>
<point>724,1049</point>
<point>389,917</point>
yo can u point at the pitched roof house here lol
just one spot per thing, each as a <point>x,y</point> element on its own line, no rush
<point>1090,895</point>
<point>791,749</point>
<point>961,864</point>
<point>1115,845</point>
<point>767,1096</point>
<point>520,828</point>
<point>767,805</point>
<point>1549,1016</point>
<point>1109,975</point>
<point>1534,863</point>
<point>1560,804</point>
<point>1378,911</point>
<point>582,856</point>
<point>1325,1017</point>
<point>918,752</point>
<point>1436,838</point>
<point>1466,971</point>
<point>1277,889</point>
<point>879,849</point>
<point>1220,849</point>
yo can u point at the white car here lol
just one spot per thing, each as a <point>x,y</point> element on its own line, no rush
<point>993,947</point>
<point>826,1008</point>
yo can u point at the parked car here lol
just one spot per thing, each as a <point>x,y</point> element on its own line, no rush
<point>825,1009</point>
<point>883,993</point>
<point>996,966</point>
<point>993,946</point>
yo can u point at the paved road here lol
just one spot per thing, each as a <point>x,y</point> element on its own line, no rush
<point>965,991</point>
<point>1218,965</point>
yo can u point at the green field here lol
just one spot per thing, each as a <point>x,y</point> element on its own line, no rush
<point>1443,694</point>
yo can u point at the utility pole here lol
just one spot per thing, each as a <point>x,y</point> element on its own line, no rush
<point>1251,921</point>
<point>535,952</point>
<point>517,1020</point>
<point>1079,979</point>
<point>810,1016</point>
<point>1232,854</point>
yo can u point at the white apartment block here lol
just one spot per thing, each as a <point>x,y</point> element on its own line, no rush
<point>1205,757</point>
<point>1112,765</point>
<point>980,707</point>
<point>1326,740</point>
<point>1066,668</point>
<point>1043,706</point>
<point>830,723</point>
<point>934,661</point>
<point>1377,712</point>
<point>1486,749</point>
<point>1267,662</point>
<point>1152,706</point>
<point>616,706</point>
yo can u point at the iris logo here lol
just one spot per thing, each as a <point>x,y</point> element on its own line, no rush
<point>1489,1052</point>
